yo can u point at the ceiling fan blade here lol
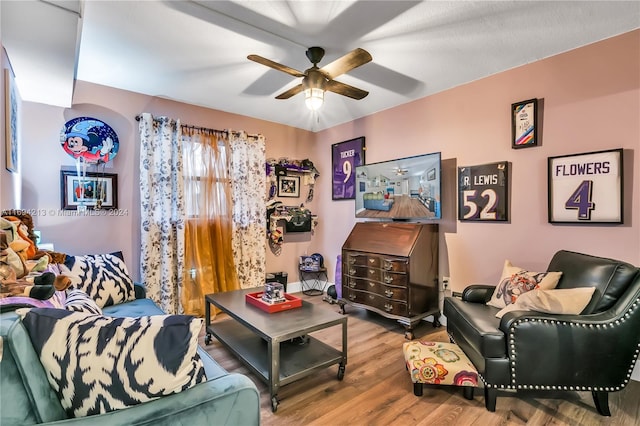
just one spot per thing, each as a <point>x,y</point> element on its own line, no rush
<point>346,63</point>
<point>345,89</point>
<point>275,65</point>
<point>291,92</point>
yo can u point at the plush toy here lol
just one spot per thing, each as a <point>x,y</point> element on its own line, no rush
<point>14,280</point>
<point>41,287</point>
<point>17,225</point>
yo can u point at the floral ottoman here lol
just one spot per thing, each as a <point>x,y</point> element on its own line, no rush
<point>439,363</point>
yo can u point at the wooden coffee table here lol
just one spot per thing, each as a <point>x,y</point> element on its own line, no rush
<point>277,347</point>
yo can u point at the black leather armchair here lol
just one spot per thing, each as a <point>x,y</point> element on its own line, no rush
<point>594,351</point>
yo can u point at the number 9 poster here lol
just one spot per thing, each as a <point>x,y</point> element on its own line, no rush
<point>586,188</point>
<point>345,157</point>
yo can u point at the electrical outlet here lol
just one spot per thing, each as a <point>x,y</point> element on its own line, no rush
<point>445,282</point>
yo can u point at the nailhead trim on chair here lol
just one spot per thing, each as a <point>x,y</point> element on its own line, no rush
<point>619,321</point>
<point>626,316</point>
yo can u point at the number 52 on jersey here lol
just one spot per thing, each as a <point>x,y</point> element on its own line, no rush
<point>483,191</point>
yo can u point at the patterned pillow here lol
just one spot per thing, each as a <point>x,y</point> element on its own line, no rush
<point>565,301</point>
<point>516,281</point>
<point>98,364</point>
<point>104,277</point>
<point>79,301</point>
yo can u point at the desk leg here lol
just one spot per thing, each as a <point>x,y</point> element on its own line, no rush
<point>273,355</point>
<point>207,316</point>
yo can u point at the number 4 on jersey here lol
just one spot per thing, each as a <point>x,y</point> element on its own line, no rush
<point>581,200</point>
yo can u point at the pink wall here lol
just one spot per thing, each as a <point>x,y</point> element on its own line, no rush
<point>591,101</point>
<point>43,158</point>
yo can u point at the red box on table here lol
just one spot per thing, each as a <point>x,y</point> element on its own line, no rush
<point>256,300</point>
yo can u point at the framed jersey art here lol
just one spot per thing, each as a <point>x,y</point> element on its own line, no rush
<point>483,192</point>
<point>586,188</point>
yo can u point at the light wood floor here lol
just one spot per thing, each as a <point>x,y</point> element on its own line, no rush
<point>377,390</point>
<point>403,206</point>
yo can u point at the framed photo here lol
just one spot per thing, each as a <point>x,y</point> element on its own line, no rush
<point>11,121</point>
<point>524,127</point>
<point>345,156</point>
<point>431,174</point>
<point>289,186</point>
<point>483,192</point>
<point>95,190</point>
<point>586,188</point>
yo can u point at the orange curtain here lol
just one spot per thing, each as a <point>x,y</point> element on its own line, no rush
<point>209,265</point>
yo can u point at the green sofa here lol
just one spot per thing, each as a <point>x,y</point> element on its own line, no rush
<point>26,397</point>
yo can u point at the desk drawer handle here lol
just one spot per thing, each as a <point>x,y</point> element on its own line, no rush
<point>388,293</point>
<point>352,260</point>
<point>352,284</point>
<point>352,297</point>
<point>352,271</point>
<point>388,307</point>
<point>388,265</point>
<point>372,261</point>
<point>372,271</point>
<point>388,279</point>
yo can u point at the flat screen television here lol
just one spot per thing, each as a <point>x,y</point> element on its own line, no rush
<point>405,189</point>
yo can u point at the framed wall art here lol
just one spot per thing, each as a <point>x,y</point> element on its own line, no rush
<point>483,192</point>
<point>524,128</point>
<point>11,121</point>
<point>345,156</point>
<point>289,186</point>
<point>586,188</point>
<point>95,190</point>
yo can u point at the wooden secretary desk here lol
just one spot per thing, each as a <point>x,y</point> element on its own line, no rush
<point>392,268</point>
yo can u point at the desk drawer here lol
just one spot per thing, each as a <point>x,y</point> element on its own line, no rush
<point>395,264</point>
<point>377,288</point>
<point>382,303</point>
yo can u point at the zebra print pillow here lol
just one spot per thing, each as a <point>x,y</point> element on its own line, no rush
<point>79,301</point>
<point>104,277</point>
<point>98,364</point>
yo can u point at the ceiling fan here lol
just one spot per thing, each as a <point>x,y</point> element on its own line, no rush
<point>315,81</point>
<point>400,171</point>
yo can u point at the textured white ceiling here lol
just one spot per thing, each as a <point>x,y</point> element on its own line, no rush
<point>195,51</point>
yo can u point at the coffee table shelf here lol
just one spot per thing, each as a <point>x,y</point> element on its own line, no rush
<point>296,360</point>
<point>277,347</point>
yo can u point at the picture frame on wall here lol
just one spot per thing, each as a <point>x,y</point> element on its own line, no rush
<point>524,124</point>
<point>345,157</point>
<point>11,121</point>
<point>289,186</point>
<point>586,188</point>
<point>483,192</point>
<point>93,191</point>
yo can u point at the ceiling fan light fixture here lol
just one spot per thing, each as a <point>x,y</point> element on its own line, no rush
<point>313,98</point>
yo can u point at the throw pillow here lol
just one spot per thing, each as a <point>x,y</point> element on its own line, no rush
<point>98,364</point>
<point>567,301</point>
<point>104,277</point>
<point>515,281</point>
<point>79,301</point>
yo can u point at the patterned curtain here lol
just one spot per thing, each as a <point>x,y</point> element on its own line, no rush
<point>162,210</point>
<point>210,265</point>
<point>248,182</point>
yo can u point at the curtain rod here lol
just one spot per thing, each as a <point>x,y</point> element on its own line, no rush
<point>205,129</point>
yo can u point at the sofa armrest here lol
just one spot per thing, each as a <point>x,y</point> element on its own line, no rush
<point>229,400</point>
<point>140,290</point>
<point>478,293</point>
